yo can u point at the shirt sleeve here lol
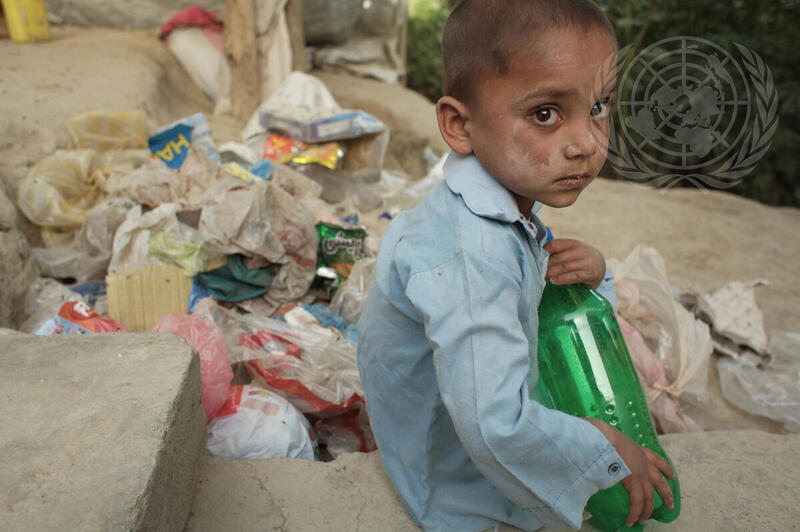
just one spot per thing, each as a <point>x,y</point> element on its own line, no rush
<point>608,289</point>
<point>543,460</point>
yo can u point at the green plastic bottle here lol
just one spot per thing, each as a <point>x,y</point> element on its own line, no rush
<point>585,370</point>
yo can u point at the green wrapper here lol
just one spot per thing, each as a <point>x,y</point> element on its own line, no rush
<point>339,247</point>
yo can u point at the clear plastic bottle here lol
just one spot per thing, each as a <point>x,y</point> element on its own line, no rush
<point>585,370</point>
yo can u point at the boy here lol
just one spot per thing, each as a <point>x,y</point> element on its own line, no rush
<point>448,334</point>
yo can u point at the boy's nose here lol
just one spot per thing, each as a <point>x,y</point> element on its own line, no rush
<point>581,142</point>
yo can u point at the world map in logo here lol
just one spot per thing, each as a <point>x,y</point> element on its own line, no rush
<point>685,105</point>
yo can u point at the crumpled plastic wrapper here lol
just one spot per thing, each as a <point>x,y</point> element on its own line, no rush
<point>772,391</point>
<point>58,190</point>
<point>737,324</point>
<point>103,131</point>
<point>88,256</point>
<point>681,342</point>
<point>348,302</point>
<point>131,248</point>
<point>263,220</point>
<point>154,183</point>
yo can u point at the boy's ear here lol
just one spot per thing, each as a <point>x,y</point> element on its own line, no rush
<point>454,124</point>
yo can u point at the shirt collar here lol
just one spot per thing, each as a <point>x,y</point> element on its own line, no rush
<point>484,196</point>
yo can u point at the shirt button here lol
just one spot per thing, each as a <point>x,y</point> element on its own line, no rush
<point>614,468</point>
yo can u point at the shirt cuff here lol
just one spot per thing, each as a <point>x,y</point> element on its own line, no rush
<point>608,289</point>
<point>568,509</point>
<point>603,473</point>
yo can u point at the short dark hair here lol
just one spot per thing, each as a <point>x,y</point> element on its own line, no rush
<point>481,36</point>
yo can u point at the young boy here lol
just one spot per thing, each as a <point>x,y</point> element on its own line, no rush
<point>448,334</point>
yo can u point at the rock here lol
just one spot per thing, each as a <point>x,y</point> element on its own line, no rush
<point>100,432</point>
<point>349,494</point>
<point>18,268</point>
<point>730,480</point>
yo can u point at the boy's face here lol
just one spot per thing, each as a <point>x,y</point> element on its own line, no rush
<point>544,121</point>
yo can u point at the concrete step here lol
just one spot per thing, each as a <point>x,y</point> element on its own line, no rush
<point>99,432</point>
<point>730,480</point>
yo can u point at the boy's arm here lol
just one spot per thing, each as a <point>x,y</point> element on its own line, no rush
<point>545,461</point>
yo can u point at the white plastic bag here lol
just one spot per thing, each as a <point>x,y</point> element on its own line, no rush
<point>88,256</point>
<point>199,57</point>
<point>681,342</point>
<point>350,297</point>
<point>131,248</point>
<point>773,391</point>
<point>256,423</point>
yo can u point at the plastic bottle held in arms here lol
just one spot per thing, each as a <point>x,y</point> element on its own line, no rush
<point>585,370</point>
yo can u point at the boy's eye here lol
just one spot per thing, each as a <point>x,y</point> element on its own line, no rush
<point>602,108</point>
<point>545,116</point>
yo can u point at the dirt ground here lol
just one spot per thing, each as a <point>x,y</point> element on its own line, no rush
<point>706,238</point>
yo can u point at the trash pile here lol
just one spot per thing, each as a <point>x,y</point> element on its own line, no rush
<point>671,335</point>
<point>259,253</point>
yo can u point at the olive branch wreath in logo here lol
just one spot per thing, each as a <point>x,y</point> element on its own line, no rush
<point>756,142</point>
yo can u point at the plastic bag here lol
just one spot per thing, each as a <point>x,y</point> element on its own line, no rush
<point>350,297</point>
<point>88,256</point>
<point>103,131</point>
<point>201,332</point>
<point>409,197</point>
<point>196,51</point>
<point>168,247</point>
<point>773,391</point>
<point>154,183</point>
<point>263,220</point>
<point>75,317</point>
<point>131,249</point>
<point>58,191</point>
<point>255,423</point>
<point>681,342</point>
<point>664,407</point>
<point>313,367</point>
<point>736,321</point>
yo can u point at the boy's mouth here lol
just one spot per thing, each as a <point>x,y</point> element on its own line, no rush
<point>573,181</point>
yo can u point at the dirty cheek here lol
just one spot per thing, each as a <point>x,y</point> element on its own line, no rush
<point>522,156</point>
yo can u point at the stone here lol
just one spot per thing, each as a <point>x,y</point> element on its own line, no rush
<point>18,268</point>
<point>350,494</point>
<point>730,480</point>
<point>100,432</point>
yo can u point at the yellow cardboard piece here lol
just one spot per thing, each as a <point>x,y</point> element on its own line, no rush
<point>26,20</point>
<point>137,299</point>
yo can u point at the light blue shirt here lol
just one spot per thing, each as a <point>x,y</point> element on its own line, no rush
<point>447,339</point>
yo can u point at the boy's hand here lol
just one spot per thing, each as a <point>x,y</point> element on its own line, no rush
<point>646,473</point>
<point>572,261</point>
